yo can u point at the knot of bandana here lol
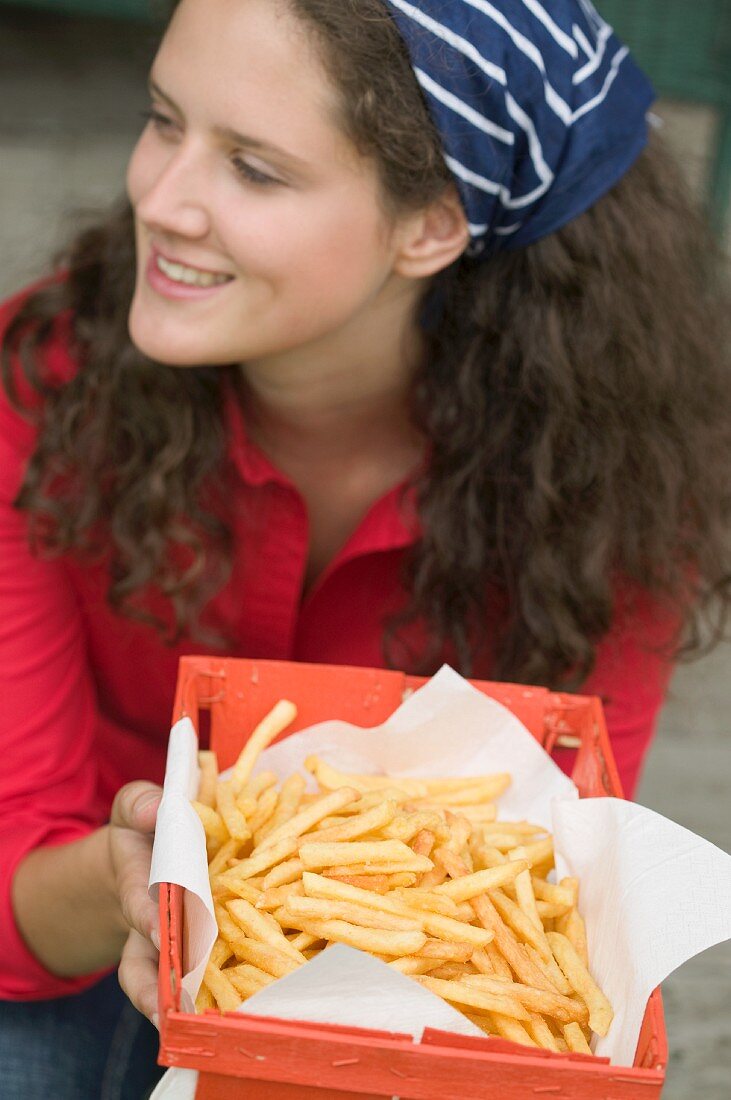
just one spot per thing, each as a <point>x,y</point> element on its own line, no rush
<point>539,106</point>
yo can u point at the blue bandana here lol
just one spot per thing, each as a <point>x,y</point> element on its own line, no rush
<point>539,106</point>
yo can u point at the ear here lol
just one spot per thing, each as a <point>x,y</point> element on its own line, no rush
<point>432,238</point>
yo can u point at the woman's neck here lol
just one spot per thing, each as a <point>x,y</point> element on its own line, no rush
<point>336,402</point>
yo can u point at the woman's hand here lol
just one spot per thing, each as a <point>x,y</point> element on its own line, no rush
<point>131,830</point>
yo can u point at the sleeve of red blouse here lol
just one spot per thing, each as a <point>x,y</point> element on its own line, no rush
<point>47,713</point>
<point>631,676</point>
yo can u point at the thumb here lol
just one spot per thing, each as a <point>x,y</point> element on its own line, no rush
<point>136,805</point>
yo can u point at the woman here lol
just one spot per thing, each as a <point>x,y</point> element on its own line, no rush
<point>405,348</point>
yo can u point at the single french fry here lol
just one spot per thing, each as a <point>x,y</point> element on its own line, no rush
<point>282,873</point>
<point>331,779</point>
<point>572,885</point>
<point>263,955</point>
<point>265,808</point>
<point>223,855</point>
<point>277,895</point>
<point>400,879</point>
<point>315,855</point>
<point>445,951</point>
<point>428,899</point>
<point>378,883</point>
<point>449,971</point>
<point>537,1000</point>
<point>413,964</point>
<point>376,940</point>
<point>261,860</point>
<point>460,830</point>
<point>467,886</point>
<point>322,909</point>
<point>600,1010</point>
<point>417,864</point>
<point>423,843</point>
<point>304,940</point>
<point>549,910</point>
<point>254,788</point>
<point>524,895</point>
<point>512,1029</point>
<point>556,895</point>
<point>358,825</point>
<point>432,878</point>
<point>540,1032</point>
<point>489,856</point>
<point>573,928</point>
<point>552,971</point>
<point>484,1021</point>
<point>247,979</point>
<point>575,1039</point>
<point>290,797</point>
<point>281,716</point>
<point>406,826</point>
<point>539,852</point>
<point>205,999</point>
<point>311,814</point>
<point>220,953</point>
<point>521,924</point>
<point>226,805</point>
<point>482,962</point>
<point>226,995</point>
<point>499,963</point>
<point>455,931</point>
<point>259,926</point>
<point>208,765</point>
<point>458,992</point>
<point>376,797</point>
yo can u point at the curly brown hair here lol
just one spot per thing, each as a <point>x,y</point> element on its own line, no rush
<point>575,399</point>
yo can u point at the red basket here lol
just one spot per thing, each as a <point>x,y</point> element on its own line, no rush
<point>255,1057</point>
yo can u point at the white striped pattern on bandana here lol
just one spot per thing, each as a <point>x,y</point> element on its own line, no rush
<point>539,107</point>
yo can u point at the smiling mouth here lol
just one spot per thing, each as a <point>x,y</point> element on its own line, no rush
<point>189,276</point>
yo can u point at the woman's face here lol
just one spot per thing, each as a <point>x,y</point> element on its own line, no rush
<point>246,175</point>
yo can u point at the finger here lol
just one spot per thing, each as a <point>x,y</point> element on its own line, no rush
<point>136,805</point>
<point>133,873</point>
<point>139,911</point>
<point>138,974</point>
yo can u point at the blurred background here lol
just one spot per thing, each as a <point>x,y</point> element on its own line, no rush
<point>72,85</point>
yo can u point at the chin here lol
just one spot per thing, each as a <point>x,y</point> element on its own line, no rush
<point>161,343</point>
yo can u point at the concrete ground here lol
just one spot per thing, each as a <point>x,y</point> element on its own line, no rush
<point>71,91</point>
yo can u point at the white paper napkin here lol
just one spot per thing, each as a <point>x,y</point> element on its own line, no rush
<point>652,894</point>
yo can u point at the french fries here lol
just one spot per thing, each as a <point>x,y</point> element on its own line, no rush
<point>419,873</point>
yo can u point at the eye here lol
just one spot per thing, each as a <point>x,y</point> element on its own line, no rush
<point>253,175</point>
<point>160,122</point>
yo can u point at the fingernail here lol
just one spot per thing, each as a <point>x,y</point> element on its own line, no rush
<point>145,801</point>
<point>155,937</point>
<point>155,1020</point>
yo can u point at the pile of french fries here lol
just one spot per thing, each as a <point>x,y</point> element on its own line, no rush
<point>419,873</point>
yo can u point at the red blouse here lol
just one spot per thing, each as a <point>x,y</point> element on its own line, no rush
<point>85,695</point>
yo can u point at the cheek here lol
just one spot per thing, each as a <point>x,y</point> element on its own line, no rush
<point>337,253</point>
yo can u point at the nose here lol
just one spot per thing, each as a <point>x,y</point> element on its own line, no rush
<point>175,201</point>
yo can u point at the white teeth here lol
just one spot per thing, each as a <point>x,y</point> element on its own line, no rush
<point>189,275</point>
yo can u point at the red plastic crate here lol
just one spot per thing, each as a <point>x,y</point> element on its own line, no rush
<point>248,1058</point>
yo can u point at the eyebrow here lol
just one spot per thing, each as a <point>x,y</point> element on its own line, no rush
<point>233,135</point>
